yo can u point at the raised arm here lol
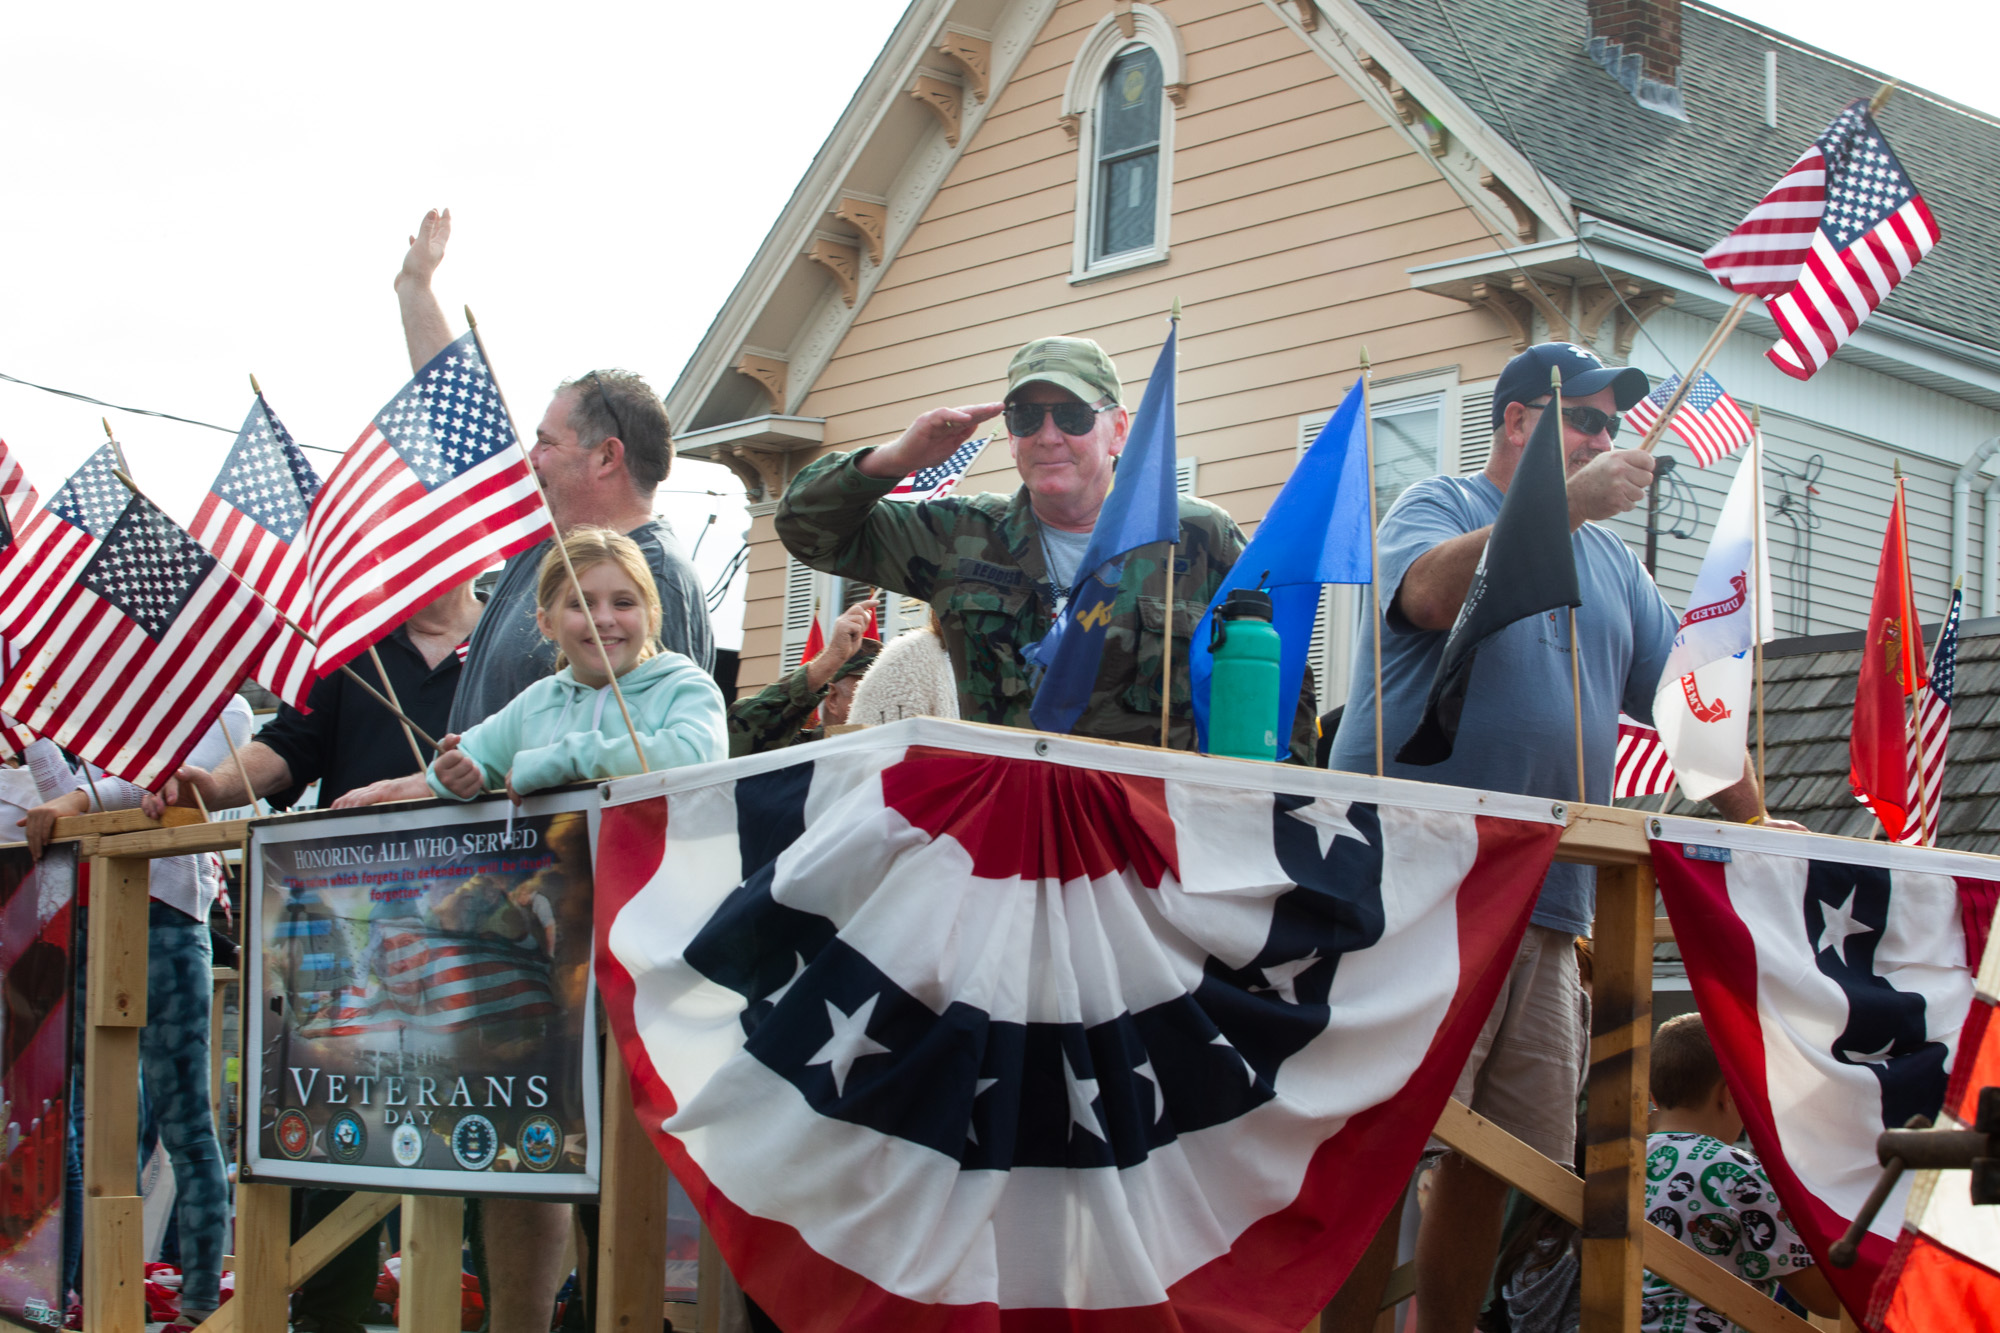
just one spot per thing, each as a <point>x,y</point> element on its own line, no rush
<point>424,326</point>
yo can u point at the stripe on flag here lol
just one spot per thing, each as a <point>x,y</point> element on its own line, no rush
<point>1642,767</point>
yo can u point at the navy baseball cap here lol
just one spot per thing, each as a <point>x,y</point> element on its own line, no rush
<point>1526,378</point>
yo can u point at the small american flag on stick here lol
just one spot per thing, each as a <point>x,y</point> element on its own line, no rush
<point>251,519</point>
<point>146,641</point>
<point>435,490</point>
<point>1829,242</point>
<point>1934,720</point>
<point>1642,767</point>
<point>18,501</point>
<point>51,541</point>
<point>1708,420</point>
<point>940,479</point>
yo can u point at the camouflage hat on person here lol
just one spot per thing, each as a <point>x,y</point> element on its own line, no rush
<point>864,657</point>
<point>1077,365</point>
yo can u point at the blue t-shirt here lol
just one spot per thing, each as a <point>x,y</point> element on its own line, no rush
<point>1517,734</point>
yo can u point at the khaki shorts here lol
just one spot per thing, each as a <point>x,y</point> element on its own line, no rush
<point>1526,1070</point>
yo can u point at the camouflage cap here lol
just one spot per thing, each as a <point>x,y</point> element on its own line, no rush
<point>864,657</point>
<point>1078,365</point>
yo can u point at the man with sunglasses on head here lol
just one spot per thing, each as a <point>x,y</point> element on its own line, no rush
<point>1516,735</point>
<point>602,449</point>
<point>998,569</point>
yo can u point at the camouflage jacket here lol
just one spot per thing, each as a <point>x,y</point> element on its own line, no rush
<point>977,559</point>
<point>775,716</point>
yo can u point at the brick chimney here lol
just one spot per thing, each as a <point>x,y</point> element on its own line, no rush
<point>1639,42</point>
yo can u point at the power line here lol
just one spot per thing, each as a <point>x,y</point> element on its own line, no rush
<point>137,411</point>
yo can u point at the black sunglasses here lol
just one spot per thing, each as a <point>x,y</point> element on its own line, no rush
<point>1072,418</point>
<point>1589,420</point>
<point>610,406</point>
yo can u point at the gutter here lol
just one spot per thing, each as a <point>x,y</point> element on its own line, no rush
<point>1961,504</point>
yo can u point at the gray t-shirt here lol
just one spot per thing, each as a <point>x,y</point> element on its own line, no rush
<point>1063,552</point>
<point>508,654</point>
<point>1517,733</point>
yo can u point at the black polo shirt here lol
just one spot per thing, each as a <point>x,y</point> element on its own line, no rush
<point>349,740</point>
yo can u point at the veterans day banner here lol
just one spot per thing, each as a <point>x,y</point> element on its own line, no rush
<point>426,998</point>
<point>37,946</point>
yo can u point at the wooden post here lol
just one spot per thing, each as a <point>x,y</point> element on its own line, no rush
<point>114,1297</point>
<point>1621,1041</point>
<point>263,1257</point>
<point>631,1260</point>
<point>708,1286</point>
<point>433,1236</point>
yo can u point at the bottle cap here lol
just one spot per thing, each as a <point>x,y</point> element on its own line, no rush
<point>1246,604</point>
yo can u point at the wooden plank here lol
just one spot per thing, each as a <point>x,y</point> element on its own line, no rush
<point>433,1236</point>
<point>121,821</point>
<point>1663,930</point>
<point>1481,1141</point>
<point>114,1283</point>
<point>263,1251</point>
<point>1402,1285</point>
<point>1614,1188</point>
<point>632,1212</point>
<point>1556,1189</point>
<point>1605,835</point>
<point>360,1214</point>
<point>708,1286</point>
<point>225,835</point>
<point>115,989</point>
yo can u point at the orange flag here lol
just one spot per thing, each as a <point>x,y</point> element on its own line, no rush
<point>1892,668</point>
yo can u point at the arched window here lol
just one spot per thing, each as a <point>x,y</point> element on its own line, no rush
<point>1123,89</point>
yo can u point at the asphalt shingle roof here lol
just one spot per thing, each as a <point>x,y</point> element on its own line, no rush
<point>1690,181</point>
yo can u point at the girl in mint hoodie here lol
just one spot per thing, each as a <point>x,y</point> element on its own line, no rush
<point>567,727</point>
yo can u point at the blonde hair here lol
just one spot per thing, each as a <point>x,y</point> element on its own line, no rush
<point>590,547</point>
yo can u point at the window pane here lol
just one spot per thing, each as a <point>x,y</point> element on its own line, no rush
<point>1125,203</point>
<point>1128,108</point>
<point>1406,451</point>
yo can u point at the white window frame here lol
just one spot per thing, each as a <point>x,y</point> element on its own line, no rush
<point>1106,42</point>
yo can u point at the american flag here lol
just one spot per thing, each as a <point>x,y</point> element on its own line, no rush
<point>1934,721</point>
<point>46,546</point>
<point>436,981</point>
<point>1708,420</point>
<point>434,491</point>
<point>251,518</point>
<point>931,482</point>
<point>1829,242</point>
<point>17,503</point>
<point>144,643</point>
<point>1642,767</point>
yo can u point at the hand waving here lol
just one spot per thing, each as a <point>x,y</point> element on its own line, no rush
<point>426,248</point>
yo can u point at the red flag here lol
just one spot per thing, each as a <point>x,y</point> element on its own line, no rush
<point>1891,670</point>
<point>815,641</point>
<point>872,630</point>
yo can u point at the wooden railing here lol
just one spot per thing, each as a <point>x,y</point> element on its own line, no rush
<point>1608,1204</point>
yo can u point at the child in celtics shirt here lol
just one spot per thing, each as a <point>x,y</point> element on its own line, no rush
<point>1714,1196</point>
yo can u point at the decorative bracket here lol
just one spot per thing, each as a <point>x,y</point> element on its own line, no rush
<point>1072,125</point>
<point>973,52</point>
<point>762,471</point>
<point>1408,109</point>
<point>870,217</point>
<point>1642,308</point>
<point>842,260</point>
<point>1121,14</point>
<point>1177,94</point>
<point>1512,310</point>
<point>942,100</point>
<point>1596,300</point>
<point>1524,217</point>
<point>1558,318</point>
<point>1308,14</point>
<point>769,372</point>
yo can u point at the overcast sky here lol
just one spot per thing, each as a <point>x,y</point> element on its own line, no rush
<point>197,193</point>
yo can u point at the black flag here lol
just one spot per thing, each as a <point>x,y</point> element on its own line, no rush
<point>1526,569</point>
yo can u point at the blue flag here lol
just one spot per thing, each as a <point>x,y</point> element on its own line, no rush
<point>1143,507</point>
<point>1316,532</point>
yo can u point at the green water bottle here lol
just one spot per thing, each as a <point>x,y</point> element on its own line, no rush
<point>1243,691</point>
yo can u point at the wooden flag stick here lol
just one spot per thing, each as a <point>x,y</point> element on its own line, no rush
<point>236,757</point>
<point>1694,372</point>
<point>425,736</point>
<point>1167,620</point>
<point>563,550</point>
<point>1575,657</point>
<point>1757,604</point>
<point>255,387</point>
<point>1374,575</point>
<point>397,704</point>
<point>1913,656</point>
<point>1881,97</point>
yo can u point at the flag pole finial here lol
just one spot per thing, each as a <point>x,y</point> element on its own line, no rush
<point>470,322</point>
<point>1175,316</point>
<point>1366,364</point>
<point>107,428</point>
<point>1881,97</point>
<point>255,387</point>
<point>1756,416</point>
<point>1958,584</point>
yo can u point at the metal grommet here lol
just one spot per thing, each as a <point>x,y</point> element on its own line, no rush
<point>1042,748</point>
<point>1559,811</point>
<point>1654,827</point>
